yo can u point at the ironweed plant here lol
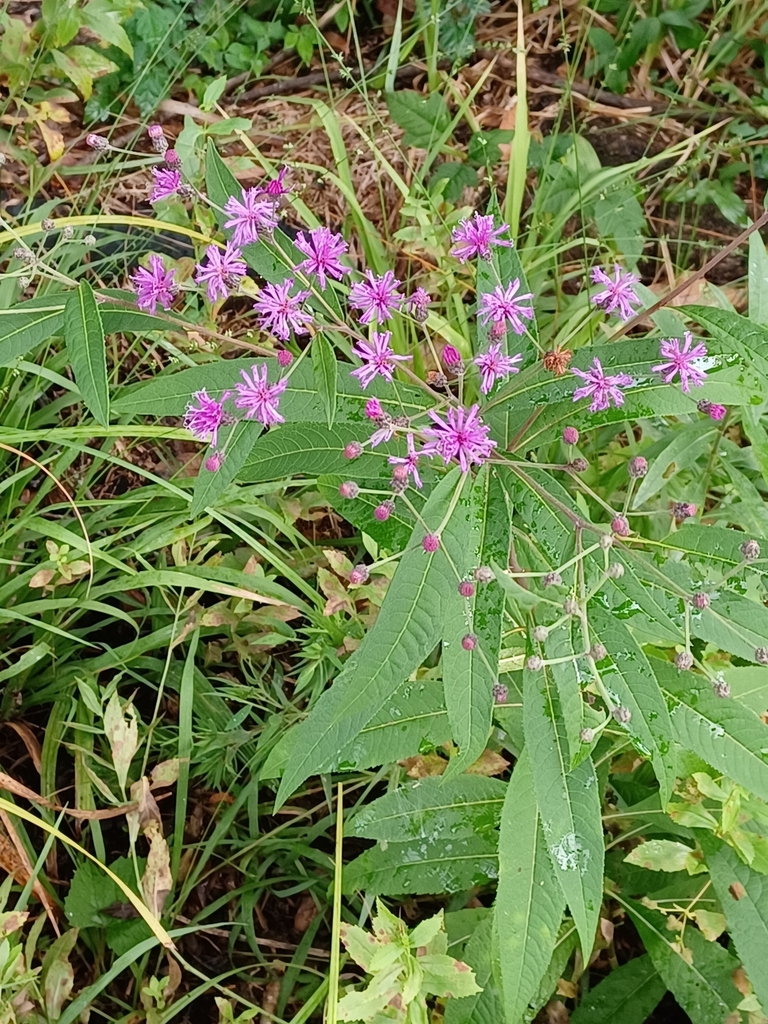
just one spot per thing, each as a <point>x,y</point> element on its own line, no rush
<point>569,586</point>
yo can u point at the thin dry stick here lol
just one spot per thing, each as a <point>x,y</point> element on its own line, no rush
<point>759,223</point>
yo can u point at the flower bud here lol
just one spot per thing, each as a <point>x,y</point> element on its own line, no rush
<point>157,138</point>
<point>399,483</point>
<point>353,450</point>
<point>172,159</point>
<point>717,412</point>
<point>750,550</point>
<point>620,526</point>
<point>214,462</point>
<point>373,409</point>
<point>700,601</point>
<point>720,688</point>
<point>467,589</point>
<point>383,511</point>
<point>484,574</point>
<point>571,606</point>
<point>683,510</point>
<point>571,435</point>
<point>684,660</point>
<point>761,655</point>
<point>451,356</point>
<point>349,489</point>
<point>89,240</point>
<point>23,254</point>
<point>539,633</point>
<point>606,541</point>
<point>597,652</point>
<point>24,283</point>
<point>400,472</point>
<point>586,735</point>
<point>431,542</point>
<point>579,465</point>
<point>637,467</point>
<point>534,663</point>
<point>48,224</point>
<point>622,715</point>
<point>704,406</point>
<point>359,574</point>
<point>500,693</point>
<point>498,330</point>
<point>97,142</point>
<point>284,357</point>
<point>552,579</point>
<point>615,571</point>
<point>469,642</point>
<point>68,232</point>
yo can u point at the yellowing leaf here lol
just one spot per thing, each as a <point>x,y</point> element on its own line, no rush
<point>53,139</point>
<point>156,882</point>
<point>123,735</point>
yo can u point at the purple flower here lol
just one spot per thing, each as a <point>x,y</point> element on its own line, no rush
<point>680,360</point>
<point>418,304</point>
<point>322,250</point>
<point>204,419</point>
<point>250,217</point>
<point>475,236</point>
<point>504,304</point>
<point>259,397</point>
<point>378,358</point>
<point>600,387</point>
<point>461,435</point>
<point>493,364</point>
<point>280,312</point>
<point>451,356</point>
<point>619,293</point>
<point>386,432</point>
<point>411,462</point>
<point>222,271</point>
<point>167,183</point>
<point>377,297</point>
<point>154,285</point>
<point>275,188</point>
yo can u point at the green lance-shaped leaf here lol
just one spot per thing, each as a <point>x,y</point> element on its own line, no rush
<point>469,676</point>
<point>629,679</point>
<point>405,632</point>
<point>86,350</point>
<point>483,1007</point>
<point>211,484</point>
<point>758,280</point>
<point>431,808</point>
<point>28,325</point>
<point>561,643</point>
<point>443,865</point>
<point>540,501</point>
<point>679,453</point>
<point>628,995</point>
<point>168,394</point>
<point>324,366</point>
<point>725,733</point>
<point>732,333</point>
<point>637,600</point>
<point>413,716</point>
<point>734,624</point>
<point>747,915</point>
<point>529,903</point>
<point>569,804</point>
<point>313,449</point>
<point>704,988</point>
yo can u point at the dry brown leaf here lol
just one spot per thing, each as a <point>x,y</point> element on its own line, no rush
<point>566,988</point>
<point>423,766</point>
<point>306,912</point>
<point>20,866</point>
<point>489,763</point>
<point>29,740</point>
<point>156,882</point>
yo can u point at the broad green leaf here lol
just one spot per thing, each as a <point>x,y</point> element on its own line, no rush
<point>29,324</point>
<point>431,808</point>
<point>423,118</point>
<point>414,716</point>
<point>703,988</point>
<point>312,449</point>
<point>749,686</point>
<point>628,995</point>
<point>484,1007</point>
<point>169,393</point>
<point>538,501</point>
<point>733,623</point>
<point>406,631</point>
<point>87,353</point>
<point>569,804</point>
<point>747,916</point>
<point>392,534</point>
<point>630,681</point>
<point>564,947</point>
<point>209,486</point>
<point>529,904</point>
<point>758,280</point>
<point>443,865</point>
<point>732,333</point>
<point>662,855</point>
<point>324,366</point>
<point>727,735</point>
<point>469,676</point>
<point>648,611</point>
<point>135,321</point>
<point>684,448</point>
